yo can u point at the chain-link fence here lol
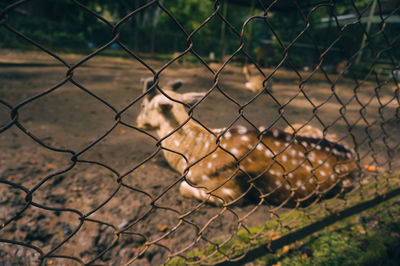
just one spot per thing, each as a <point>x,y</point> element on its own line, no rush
<point>104,161</point>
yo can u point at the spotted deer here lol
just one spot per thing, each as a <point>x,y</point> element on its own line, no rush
<point>254,83</point>
<point>311,132</point>
<point>221,166</point>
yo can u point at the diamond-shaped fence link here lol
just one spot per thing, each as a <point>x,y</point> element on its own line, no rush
<point>104,161</point>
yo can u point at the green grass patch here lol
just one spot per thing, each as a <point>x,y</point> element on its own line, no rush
<point>370,238</point>
<point>366,238</point>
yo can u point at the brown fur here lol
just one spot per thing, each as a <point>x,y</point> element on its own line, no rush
<point>220,168</point>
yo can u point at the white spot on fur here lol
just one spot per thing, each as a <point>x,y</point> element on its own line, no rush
<point>189,173</point>
<point>332,176</point>
<point>275,133</point>
<point>287,186</point>
<point>305,144</point>
<point>218,130</point>
<point>327,165</point>
<point>206,145</point>
<point>303,187</point>
<point>299,183</point>
<point>261,129</point>
<point>272,172</point>
<point>268,153</point>
<point>249,85</point>
<point>277,143</point>
<point>308,168</point>
<point>228,135</point>
<point>318,147</point>
<point>290,175</point>
<point>209,165</point>
<point>284,158</point>
<point>177,143</point>
<point>294,162</point>
<point>245,138</point>
<point>320,161</point>
<point>214,155</point>
<point>227,191</point>
<point>224,145</point>
<point>278,183</point>
<point>322,173</point>
<point>235,151</point>
<point>260,147</point>
<point>204,178</point>
<point>242,130</point>
<point>293,152</point>
<point>250,146</point>
<point>327,149</point>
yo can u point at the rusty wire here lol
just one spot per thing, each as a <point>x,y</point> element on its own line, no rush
<point>383,160</point>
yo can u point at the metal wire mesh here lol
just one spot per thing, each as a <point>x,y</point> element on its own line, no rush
<point>87,199</point>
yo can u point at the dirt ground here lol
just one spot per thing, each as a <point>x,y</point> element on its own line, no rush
<point>70,120</point>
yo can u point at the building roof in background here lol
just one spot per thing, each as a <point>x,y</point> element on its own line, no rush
<point>281,5</point>
<point>350,18</point>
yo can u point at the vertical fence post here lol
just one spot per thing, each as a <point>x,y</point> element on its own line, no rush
<point>370,16</point>
<point>223,26</point>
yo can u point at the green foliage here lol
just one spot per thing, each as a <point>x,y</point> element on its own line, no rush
<point>63,24</point>
<point>368,238</point>
<point>351,242</point>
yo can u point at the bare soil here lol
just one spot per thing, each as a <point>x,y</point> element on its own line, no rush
<point>73,153</point>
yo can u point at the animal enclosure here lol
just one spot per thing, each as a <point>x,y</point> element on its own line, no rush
<point>82,183</point>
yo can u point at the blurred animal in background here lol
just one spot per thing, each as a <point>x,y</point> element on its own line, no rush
<point>255,82</point>
<point>181,60</point>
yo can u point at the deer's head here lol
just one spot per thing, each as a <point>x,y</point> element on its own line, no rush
<point>158,110</point>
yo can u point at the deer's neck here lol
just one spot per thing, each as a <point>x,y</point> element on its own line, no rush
<point>247,73</point>
<point>190,140</point>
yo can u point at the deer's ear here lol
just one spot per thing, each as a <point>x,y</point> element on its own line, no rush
<point>192,97</point>
<point>164,105</point>
<point>175,85</point>
<point>147,84</point>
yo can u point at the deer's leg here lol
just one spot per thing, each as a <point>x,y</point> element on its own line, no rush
<point>225,194</point>
<point>198,193</point>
